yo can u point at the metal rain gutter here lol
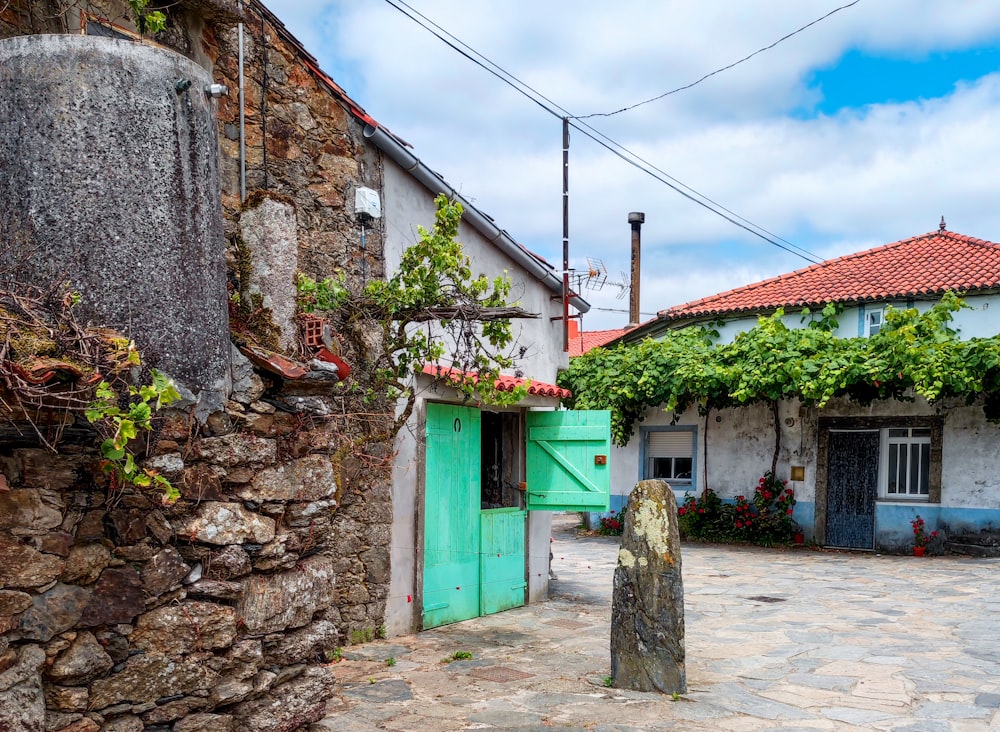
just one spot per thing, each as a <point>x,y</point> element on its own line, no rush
<point>500,238</point>
<point>243,113</point>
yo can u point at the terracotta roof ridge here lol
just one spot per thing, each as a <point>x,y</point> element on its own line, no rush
<point>742,288</point>
<point>694,305</point>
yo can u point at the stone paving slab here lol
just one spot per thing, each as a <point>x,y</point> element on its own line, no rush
<point>854,641</point>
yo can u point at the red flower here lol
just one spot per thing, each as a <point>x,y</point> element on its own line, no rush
<point>739,524</point>
<point>789,512</point>
<point>748,522</point>
<point>701,510</point>
<point>681,511</point>
<point>934,534</point>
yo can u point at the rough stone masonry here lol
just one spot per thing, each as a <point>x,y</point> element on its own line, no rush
<point>647,615</point>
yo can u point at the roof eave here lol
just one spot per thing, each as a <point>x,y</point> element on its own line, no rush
<point>709,315</point>
<point>391,146</point>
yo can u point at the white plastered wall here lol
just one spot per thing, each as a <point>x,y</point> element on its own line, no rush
<point>406,205</point>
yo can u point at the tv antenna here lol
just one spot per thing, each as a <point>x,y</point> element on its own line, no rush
<point>597,274</point>
<point>624,285</point>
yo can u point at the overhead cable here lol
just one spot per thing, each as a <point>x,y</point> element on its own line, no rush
<point>606,142</point>
<point>724,68</point>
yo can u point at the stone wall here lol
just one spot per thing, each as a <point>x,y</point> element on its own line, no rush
<point>314,154</point>
<point>215,613</point>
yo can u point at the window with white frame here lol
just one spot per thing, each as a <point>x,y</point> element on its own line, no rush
<point>670,456</point>
<point>906,462</point>
<point>873,321</point>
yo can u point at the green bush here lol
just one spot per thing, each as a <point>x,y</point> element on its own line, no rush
<point>766,519</point>
<point>705,518</point>
<point>611,525</point>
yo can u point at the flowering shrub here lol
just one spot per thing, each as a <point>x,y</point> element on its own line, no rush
<point>764,519</point>
<point>703,518</point>
<point>767,518</point>
<point>920,535</point>
<point>611,525</point>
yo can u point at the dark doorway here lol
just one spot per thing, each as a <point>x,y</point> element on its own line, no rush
<point>852,487</point>
<point>501,460</point>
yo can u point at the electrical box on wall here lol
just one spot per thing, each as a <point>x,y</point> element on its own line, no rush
<point>367,204</point>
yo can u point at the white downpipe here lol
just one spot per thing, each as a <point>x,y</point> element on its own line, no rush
<point>243,128</point>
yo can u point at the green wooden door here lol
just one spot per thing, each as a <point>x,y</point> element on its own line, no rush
<point>502,559</point>
<point>568,461</point>
<point>451,517</point>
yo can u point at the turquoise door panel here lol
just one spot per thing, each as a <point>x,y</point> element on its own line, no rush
<point>451,515</point>
<point>568,461</point>
<point>502,560</point>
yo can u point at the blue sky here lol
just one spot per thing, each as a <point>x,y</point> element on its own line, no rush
<point>858,78</point>
<point>863,129</point>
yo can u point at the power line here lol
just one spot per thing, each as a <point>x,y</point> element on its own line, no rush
<point>392,3</point>
<point>804,254</point>
<point>724,68</point>
<point>520,86</point>
<point>620,310</point>
<point>612,146</point>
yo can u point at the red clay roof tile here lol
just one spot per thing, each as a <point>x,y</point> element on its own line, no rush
<point>584,340</point>
<point>930,264</point>
<point>504,383</point>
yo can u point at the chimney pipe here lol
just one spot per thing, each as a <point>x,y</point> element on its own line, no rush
<point>636,219</point>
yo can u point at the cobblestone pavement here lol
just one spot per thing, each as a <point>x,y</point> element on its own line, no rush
<point>776,640</point>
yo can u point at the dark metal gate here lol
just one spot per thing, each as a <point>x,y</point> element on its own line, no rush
<point>852,485</point>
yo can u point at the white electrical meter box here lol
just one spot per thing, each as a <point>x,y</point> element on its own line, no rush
<point>366,203</point>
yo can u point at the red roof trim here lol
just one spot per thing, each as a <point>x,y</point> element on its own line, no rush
<point>504,383</point>
<point>311,63</point>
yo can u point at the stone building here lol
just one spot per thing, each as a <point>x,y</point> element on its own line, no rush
<point>298,525</point>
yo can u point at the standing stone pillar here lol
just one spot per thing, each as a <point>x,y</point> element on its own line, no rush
<point>647,615</point>
<point>270,233</point>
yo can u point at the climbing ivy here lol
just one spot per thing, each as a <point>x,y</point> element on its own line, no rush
<point>432,309</point>
<point>913,354</point>
<point>146,20</point>
<point>120,424</point>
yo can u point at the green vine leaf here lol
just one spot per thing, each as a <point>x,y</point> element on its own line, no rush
<point>119,427</point>
<point>147,21</point>
<point>431,310</point>
<point>914,353</point>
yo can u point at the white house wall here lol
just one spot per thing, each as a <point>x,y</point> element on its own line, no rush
<point>970,478</point>
<point>740,448</point>
<point>741,445</point>
<point>979,320</point>
<point>406,205</point>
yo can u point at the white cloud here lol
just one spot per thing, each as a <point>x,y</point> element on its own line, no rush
<point>832,184</point>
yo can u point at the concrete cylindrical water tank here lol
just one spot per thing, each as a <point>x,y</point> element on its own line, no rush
<point>109,181</point>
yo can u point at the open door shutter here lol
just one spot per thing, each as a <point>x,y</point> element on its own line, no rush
<point>451,515</point>
<point>568,461</point>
